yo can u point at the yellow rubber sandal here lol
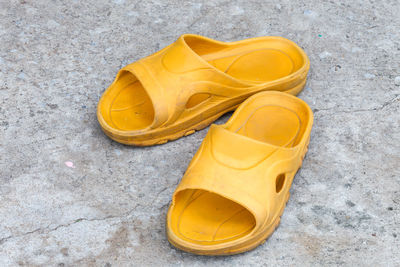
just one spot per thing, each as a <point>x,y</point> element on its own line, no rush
<point>190,83</point>
<point>236,187</point>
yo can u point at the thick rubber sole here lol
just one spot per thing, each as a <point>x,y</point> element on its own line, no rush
<point>256,240</point>
<point>162,139</point>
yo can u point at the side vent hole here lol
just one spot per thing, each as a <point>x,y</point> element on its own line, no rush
<point>280,181</point>
<point>196,99</point>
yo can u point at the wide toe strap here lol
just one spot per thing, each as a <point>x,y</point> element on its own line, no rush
<point>175,74</point>
<point>217,168</point>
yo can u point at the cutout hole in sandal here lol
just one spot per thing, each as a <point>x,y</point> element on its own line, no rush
<point>280,182</point>
<point>197,99</point>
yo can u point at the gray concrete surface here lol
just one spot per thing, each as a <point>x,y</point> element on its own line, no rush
<point>107,207</point>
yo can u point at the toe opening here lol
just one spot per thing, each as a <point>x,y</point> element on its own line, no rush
<point>206,218</point>
<point>126,105</point>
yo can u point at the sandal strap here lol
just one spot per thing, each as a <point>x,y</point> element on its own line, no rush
<point>216,168</point>
<point>174,74</point>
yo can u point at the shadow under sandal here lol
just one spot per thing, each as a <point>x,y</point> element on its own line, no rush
<point>190,83</point>
<point>236,187</point>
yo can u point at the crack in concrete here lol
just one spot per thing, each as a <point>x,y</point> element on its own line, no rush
<point>47,229</point>
<point>385,104</point>
<point>158,195</point>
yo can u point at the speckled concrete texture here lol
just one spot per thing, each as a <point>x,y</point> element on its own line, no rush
<point>69,196</point>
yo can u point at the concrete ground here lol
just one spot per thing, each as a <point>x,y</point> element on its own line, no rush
<point>69,196</point>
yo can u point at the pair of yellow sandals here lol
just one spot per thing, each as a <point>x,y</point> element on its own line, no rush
<point>237,185</point>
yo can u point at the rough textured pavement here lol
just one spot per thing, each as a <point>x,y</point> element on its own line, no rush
<point>70,196</point>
